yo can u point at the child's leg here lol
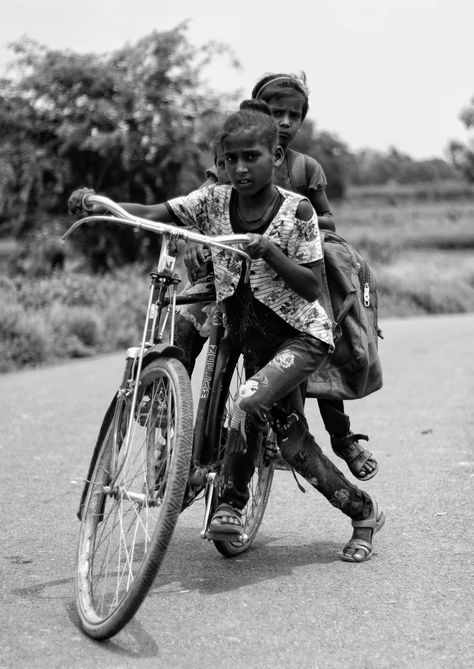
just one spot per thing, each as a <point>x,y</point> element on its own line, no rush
<point>193,323</point>
<point>188,338</point>
<point>282,375</point>
<point>335,421</point>
<point>344,443</point>
<point>280,378</point>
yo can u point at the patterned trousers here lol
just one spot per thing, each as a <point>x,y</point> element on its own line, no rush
<point>277,377</point>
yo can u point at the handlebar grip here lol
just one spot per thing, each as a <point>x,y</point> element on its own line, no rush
<point>86,204</point>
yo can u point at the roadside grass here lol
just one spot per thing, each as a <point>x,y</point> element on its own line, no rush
<point>422,254</point>
<point>69,315</point>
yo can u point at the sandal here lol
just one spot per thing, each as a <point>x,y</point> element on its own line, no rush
<point>349,449</point>
<point>220,526</point>
<point>375,522</point>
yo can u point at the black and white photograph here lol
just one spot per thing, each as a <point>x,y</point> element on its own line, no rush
<point>237,334</point>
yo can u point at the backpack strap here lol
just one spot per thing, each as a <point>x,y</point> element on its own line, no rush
<point>346,305</point>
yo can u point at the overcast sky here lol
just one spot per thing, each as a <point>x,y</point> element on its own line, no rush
<point>381,72</point>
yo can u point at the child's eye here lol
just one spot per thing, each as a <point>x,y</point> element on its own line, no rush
<point>221,163</point>
<point>229,159</point>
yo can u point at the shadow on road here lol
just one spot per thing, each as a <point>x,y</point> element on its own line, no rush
<point>195,565</point>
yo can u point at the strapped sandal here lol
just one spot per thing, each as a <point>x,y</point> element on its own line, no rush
<point>218,528</point>
<point>375,521</point>
<point>355,455</point>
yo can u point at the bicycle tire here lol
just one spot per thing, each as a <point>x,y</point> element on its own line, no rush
<point>261,481</point>
<point>126,528</point>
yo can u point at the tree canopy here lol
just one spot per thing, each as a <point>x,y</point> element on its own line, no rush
<point>135,124</point>
<point>132,124</point>
<point>462,155</point>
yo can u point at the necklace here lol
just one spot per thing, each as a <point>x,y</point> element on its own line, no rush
<point>263,213</point>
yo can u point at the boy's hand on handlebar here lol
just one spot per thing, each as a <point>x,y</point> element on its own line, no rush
<point>75,203</point>
<point>258,245</point>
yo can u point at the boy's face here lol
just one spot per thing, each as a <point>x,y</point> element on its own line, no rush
<point>287,111</point>
<point>249,163</point>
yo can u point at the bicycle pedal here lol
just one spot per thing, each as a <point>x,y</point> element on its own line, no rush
<point>226,536</point>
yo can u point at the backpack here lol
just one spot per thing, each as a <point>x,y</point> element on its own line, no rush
<point>349,295</point>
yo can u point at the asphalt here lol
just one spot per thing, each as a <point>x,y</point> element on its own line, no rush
<point>290,601</point>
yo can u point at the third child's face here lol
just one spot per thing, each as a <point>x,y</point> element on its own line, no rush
<point>249,163</point>
<point>287,111</point>
<point>219,161</point>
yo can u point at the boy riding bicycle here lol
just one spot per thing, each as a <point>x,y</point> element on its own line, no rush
<point>283,330</point>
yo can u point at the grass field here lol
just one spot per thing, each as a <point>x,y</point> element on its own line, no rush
<point>422,254</point>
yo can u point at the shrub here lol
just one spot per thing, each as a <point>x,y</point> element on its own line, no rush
<point>78,331</point>
<point>25,340</point>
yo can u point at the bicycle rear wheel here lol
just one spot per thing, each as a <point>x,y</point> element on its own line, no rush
<point>261,482</point>
<point>128,520</point>
<point>259,491</point>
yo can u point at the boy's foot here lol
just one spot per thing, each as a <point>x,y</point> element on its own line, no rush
<point>359,547</point>
<point>226,520</point>
<point>360,461</point>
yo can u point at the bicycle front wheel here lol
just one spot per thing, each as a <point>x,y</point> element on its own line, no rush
<point>134,499</point>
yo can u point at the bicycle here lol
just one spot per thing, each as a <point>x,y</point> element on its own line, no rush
<point>149,462</point>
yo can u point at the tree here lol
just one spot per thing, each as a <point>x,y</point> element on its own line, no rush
<point>376,168</point>
<point>462,155</point>
<point>330,152</point>
<point>127,124</point>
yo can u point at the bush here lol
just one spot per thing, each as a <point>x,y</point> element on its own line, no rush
<point>24,338</point>
<point>78,331</point>
<point>70,315</point>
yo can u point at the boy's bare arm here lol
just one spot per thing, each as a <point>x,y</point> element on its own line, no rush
<point>152,212</point>
<point>306,281</point>
<point>319,200</point>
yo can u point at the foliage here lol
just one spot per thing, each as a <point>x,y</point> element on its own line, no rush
<point>330,152</point>
<point>130,124</point>
<point>377,168</point>
<point>394,194</point>
<point>462,155</point>
<point>24,338</point>
<point>69,315</point>
<point>421,254</point>
<point>345,169</point>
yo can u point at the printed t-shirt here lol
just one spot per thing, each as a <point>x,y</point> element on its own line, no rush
<point>209,210</point>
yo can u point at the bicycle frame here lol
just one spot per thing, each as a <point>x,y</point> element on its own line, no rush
<point>150,460</point>
<point>159,319</point>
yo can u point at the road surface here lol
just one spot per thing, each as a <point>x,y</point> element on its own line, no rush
<point>289,602</point>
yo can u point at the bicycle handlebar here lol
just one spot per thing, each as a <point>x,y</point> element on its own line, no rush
<point>225,242</point>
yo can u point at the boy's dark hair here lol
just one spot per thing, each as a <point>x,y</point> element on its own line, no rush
<point>254,120</point>
<point>256,105</point>
<point>272,85</point>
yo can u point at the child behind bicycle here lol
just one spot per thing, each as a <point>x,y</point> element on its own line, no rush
<point>287,97</point>
<point>283,330</point>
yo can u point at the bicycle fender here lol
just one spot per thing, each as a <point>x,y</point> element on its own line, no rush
<point>162,351</point>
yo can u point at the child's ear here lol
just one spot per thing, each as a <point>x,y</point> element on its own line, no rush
<point>278,156</point>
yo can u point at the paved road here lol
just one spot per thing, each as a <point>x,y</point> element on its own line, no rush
<point>290,602</point>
